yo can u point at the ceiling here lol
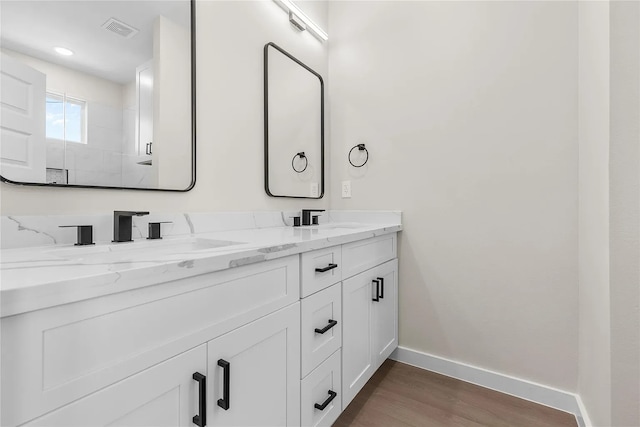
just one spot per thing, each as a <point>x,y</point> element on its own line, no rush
<point>36,27</point>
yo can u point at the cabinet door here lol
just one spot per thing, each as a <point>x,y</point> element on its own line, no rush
<point>385,312</point>
<point>164,395</point>
<point>357,346</point>
<point>260,364</point>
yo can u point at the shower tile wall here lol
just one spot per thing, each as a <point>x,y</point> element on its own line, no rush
<point>108,158</point>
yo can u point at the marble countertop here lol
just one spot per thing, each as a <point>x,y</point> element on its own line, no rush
<point>45,276</point>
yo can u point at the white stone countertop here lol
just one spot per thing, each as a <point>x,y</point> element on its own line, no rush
<point>38,277</point>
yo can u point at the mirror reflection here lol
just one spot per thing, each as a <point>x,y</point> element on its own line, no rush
<point>99,95</point>
<point>294,123</point>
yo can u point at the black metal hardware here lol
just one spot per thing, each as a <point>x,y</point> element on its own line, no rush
<point>273,47</point>
<point>296,221</point>
<point>306,215</point>
<point>226,367</point>
<point>327,268</point>
<point>85,234</point>
<point>332,395</point>
<point>201,419</point>
<point>377,297</point>
<point>147,149</point>
<point>331,324</point>
<point>154,230</point>
<point>302,156</point>
<point>360,147</point>
<point>122,225</point>
<point>381,296</point>
<point>314,220</point>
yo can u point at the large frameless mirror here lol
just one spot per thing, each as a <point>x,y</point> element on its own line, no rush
<point>293,126</point>
<point>98,93</point>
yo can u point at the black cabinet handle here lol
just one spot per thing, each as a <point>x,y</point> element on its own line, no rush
<point>148,149</point>
<point>331,324</point>
<point>327,268</point>
<point>381,296</point>
<point>332,395</point>
<point>201,419</point>
<point>377,297</point>
<point>226,367</point>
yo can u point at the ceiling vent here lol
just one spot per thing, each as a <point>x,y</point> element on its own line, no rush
<point>120,28</point>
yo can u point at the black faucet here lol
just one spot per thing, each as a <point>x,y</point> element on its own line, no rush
<point>306,216</point>
<point>122,225</point>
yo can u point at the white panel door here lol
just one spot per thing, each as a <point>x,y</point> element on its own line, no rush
<point>22,126</point>
<point>385,312</point>
<point>165,395</point>
<point>357,347</point>
<point>261,364</point>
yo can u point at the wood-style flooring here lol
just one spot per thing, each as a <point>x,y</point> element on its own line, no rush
<point>402,395</point>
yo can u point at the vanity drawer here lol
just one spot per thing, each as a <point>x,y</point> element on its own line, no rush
<point>365,254</point>
<point>319,269</point>
<point>63,353</point>
<point>321,326</point>
<point>317,388</point>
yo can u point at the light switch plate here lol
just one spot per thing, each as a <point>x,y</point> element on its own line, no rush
<point>313,189</point>
<point>346,189</point>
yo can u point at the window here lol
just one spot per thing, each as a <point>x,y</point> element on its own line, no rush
<point>66,118</point>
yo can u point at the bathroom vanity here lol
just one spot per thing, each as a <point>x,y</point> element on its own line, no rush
<point>276,326</point>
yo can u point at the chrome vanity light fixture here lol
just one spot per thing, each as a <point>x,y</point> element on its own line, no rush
<point>300,20</point>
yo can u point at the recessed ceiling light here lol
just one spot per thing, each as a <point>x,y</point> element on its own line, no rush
<point>63,51</point>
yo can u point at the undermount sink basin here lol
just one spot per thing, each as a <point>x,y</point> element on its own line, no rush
<point>150,250</point>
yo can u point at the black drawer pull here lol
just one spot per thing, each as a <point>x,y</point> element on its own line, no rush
<point>332,395</point>
<point>226,367</point>
<point>381,287</point>
<point>377,297</point>
<point>331,324</point>
<point>327,268</point>
<point>201,419</point>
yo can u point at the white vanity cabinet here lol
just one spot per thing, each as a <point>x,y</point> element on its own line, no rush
<point>321,331</point>
<point>370,325</point>
<point>253,373</point>
<point>284,342</point>
<point>164,395</point>
<point>349,318</point>
<point>63,354</point>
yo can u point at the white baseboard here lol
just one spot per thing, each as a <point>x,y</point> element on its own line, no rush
<point>538,393</point>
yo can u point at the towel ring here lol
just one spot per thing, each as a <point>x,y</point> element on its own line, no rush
<point>302,156</point>
<point>360,147</point>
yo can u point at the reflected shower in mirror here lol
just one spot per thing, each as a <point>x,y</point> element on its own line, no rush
<point>97,93</point>
<point>294,126</point>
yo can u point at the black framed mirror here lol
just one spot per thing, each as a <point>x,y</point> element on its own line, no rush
<point>293,126</point>
<point>102,95</point>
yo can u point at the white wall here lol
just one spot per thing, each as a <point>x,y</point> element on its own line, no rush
<point>469,112</point>
<point>595,325</point>
<point>230,128</point>
<point>624,189</point>
<point>609,368</point>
